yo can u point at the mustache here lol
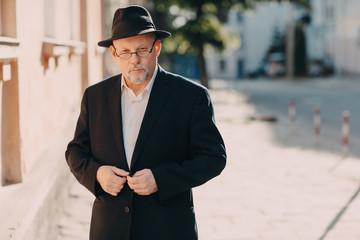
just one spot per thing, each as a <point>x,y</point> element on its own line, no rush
<point>142,66</point>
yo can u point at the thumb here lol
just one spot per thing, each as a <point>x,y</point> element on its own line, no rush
<point>120,172</point>
<point>139,173</point>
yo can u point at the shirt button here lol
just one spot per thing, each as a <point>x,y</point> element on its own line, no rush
<point>127,209</point>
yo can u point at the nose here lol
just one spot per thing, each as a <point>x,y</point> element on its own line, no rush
<point>135,58</point>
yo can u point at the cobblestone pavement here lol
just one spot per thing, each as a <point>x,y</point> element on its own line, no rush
<point>266,192</point>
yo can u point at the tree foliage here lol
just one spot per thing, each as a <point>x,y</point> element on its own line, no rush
<point>198,23</point>
<point>194,25</point>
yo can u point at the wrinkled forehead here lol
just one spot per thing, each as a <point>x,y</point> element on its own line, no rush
<point>136,41</point>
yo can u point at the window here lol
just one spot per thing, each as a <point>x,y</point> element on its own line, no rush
<point>65,26</point>
<point>49,11</point>
<point>61,31</point>
<point>7,18</point>
<point>239,17</point>
<point>0,19</point>
<point>71,18</point>
<point>222,65</point>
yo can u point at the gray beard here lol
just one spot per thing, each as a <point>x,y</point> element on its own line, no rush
<point>138,79</point>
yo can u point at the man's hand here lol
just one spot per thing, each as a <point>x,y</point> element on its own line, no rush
<point>143,182</point>
<point>111,179</point>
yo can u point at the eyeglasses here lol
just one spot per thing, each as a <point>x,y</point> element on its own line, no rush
<point>140,53</point>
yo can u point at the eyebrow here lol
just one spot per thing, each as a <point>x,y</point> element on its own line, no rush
<point>129,50</point>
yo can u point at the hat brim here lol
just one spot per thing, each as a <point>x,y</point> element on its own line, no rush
<point>160,34</point>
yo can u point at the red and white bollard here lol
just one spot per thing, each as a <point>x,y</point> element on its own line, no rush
<point>292,115</point>
<point>247,96</point>
<point>345,133</point>
<point>317,124</point>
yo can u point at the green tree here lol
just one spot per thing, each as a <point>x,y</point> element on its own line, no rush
<point>196,24</point>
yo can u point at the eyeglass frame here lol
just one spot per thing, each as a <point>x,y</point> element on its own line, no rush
<point>136,52</point>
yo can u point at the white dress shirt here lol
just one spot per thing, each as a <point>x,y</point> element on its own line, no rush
<point>133,109</point>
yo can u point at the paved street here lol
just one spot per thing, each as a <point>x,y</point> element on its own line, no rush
<point>332,96</point>
<point>267,191</point>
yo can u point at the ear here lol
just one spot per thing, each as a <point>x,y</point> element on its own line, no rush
<point>157,47</point>
<point>112,51</point>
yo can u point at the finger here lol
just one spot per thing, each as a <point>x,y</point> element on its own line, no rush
<point>138,177</point>
<point>133,180</point>
<point>141,188</point>
<point>139,173</point>
<point>118,182</point>
<point>142,193</point>
<point>120,172</point>
<point>133,185</point>
<point>115,184</point>
<point>138,187</point>
<point>112,191</point>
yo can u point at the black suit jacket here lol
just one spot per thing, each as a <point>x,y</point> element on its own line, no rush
<point>178,141</point>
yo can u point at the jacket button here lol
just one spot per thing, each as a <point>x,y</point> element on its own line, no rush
<point>127,209</point>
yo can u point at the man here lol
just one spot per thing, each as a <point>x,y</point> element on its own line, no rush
<point>143,140</point>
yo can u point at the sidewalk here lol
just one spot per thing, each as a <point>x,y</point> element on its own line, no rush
<point>266,192</point>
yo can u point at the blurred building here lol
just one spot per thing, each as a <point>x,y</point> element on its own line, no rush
<point>322,37</point>
<point>229,64</point>
<point>347,28</point>
<point>256,29</point>
<point>334,35</point>
<point>48,56</point>
<point>332,39</point>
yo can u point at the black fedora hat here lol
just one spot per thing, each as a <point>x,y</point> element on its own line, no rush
<point>132,21</point>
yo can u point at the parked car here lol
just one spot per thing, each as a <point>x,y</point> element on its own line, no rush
<point>276,64</point>
<point>259,71</point>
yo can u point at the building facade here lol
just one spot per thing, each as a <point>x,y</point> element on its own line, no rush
<point>256,29</point>
<point>332,38</point>
<point>334,35</point>
<point>347,38</point>
<point>48,56</point>
<point>228,64</point>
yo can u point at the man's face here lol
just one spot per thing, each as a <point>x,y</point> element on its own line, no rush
<point>136,69</point>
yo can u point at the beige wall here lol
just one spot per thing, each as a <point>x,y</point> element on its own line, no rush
<point>44,104</point>
<point>50,70</point>
<point>93,37</point>
<point>46,96</point>
<point>48,56</point>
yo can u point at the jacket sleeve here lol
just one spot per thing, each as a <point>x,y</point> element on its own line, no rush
<point>79,155</point>
<point>207,154</point>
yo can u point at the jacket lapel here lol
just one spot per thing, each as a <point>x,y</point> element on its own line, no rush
<point>116,120</point>
<point>159,93</point>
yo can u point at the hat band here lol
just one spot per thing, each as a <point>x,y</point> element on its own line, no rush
<point>126,28</point>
